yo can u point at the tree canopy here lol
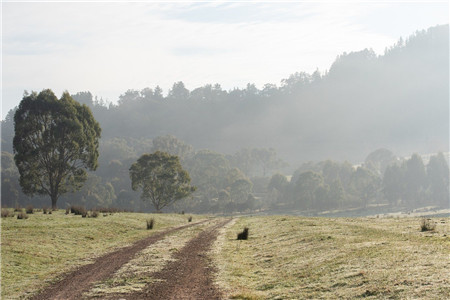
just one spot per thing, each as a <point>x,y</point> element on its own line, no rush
<point>54,142</point>
<point>161,178</point>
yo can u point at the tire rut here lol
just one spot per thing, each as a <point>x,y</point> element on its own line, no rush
<point>189,276</point>
<point>75,283</point>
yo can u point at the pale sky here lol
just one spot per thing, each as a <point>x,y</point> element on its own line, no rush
<point>109,47</point>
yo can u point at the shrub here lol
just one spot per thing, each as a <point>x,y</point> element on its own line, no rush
<point>190,219</point>
<point>84,214</point>
<point>150,223</point>
<point>5,213</point>
<point>94,214</point>
<point>44,210</point>
<point>427,225</point>
<point>78,210</point>
<point>67,210</point>
<point>21,215</point>
<point>17,209</point>
<point>29,209</point>
<point>243,235</point>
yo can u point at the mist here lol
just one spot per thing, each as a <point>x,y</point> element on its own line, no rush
<point>396,101</point>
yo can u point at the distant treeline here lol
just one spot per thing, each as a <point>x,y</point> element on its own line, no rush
<point>398,100</point>
<point>365,101</point>
<point>251,180</point>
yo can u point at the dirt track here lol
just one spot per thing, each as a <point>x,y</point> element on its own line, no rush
<point>188,277</point>
<point>75,283</point>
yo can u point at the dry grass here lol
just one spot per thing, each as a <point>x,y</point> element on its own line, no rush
<point>297,258</point>
<point>38,250</point>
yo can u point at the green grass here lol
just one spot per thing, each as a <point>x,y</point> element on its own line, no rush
<point>38,250</point>
<point>295,257</point>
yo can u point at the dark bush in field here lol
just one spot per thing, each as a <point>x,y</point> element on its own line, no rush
<point>21,215</point>
<point>109,210</point>
<point>17,209</point>
<point>67,211</point>
<point>243,235</point>
<point>427,225</point>
<point>84,214</point>
<point>190,219</point>
<point>44,210</point>
<point>6,213</point>
<point>94,214</point>
<point>78,210</point>
<point>29,209</point>
<point>150,223</point>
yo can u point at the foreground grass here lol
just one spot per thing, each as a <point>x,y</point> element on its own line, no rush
<point>40,249</point>
<point>297,258</point>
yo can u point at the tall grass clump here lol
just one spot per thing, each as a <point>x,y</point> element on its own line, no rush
<point>6,213</point>
<point>427,225</point>
<point>150,223</point>
<point>29,209</point>
<point>94,214</point>
<point>78,210</point>
<point>243,235</point>
<point>22,216</point>
<point>190,219</point>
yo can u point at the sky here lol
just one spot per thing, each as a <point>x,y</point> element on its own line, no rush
<point>108,47</point>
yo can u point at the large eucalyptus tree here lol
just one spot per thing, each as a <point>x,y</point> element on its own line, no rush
<point>55,141</point>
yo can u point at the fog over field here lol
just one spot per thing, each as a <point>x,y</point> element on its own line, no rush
<point>379,107</point>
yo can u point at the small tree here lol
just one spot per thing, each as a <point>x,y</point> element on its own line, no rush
<point>161,178</point>
<point>55,141</point>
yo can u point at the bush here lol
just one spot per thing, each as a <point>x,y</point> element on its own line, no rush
<point>67,211</point>
<point>17,209</point>
<point>243,235</point>
<point>150,223</point>
<point>427,225</point>
<point>29,209</point>
<point>190,219</point>
<point>6,213</point>
<point>21,215</point>
<point>94,214</point>
<point>44,210</point>
<point>78,210</point>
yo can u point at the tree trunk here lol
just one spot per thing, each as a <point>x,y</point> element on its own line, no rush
<point>54,198</point>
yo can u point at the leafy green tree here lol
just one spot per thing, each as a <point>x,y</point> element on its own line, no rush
<point>393,184</point>
<point>161,178</point>
<point>415,180</point>
<point>379,160</point>
<point>365,184</point>
<point>278,182</point>
<point>178,91</point>
<point>55,141</point>
<point>170,144</point>
<point>240,189</point>
<point>438,178</point>
<point>304,189</point>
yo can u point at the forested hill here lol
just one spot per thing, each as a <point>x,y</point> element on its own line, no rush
<point>398,100</point>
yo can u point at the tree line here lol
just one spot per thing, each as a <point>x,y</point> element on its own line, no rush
<point>343,112</point>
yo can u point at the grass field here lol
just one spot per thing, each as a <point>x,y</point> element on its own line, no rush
<point>43,247</point>
<point>284,257</point>
<point>311,258</point>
